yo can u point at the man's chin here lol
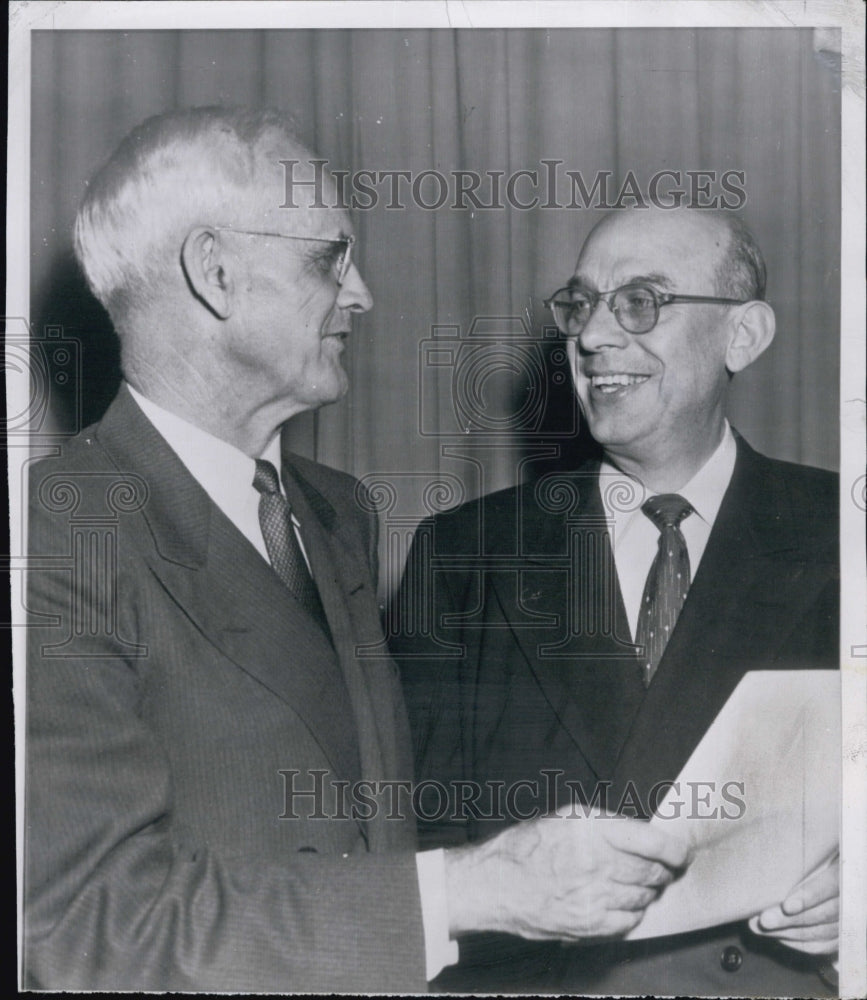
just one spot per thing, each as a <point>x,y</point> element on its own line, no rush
<point>338,388</point>
<point>624,446</point>
<point>612,428</point>
<point>327,390</point>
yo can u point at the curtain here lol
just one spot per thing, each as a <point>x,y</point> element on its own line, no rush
<point>457,386</point>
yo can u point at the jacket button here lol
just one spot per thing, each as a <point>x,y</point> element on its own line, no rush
<point>731,959</point>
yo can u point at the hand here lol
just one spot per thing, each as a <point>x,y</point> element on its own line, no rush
<point>561,878</point>
<point>808,919</point>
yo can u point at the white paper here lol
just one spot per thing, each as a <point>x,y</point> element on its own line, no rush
<point>774,747</point>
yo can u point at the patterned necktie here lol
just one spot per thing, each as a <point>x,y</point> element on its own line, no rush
<point>284,551</point>
<point>667,581</point>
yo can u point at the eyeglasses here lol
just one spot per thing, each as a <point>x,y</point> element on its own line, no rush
<point>635,306</point>
<point>342,263</point>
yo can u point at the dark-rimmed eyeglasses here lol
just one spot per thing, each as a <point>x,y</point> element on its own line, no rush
<point>342,263</point>
<point>635,306</point>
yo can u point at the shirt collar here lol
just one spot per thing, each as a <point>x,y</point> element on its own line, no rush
<point>221,469</point>
<point>706,489</point>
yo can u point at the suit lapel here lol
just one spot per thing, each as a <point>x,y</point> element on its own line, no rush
<point>586,667</point>
<point>345,586</point>
<point>340,579</point>
<point>222,584</point>
<point>745,599</point>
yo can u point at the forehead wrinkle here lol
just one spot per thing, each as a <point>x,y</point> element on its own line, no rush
<point>331,222</point>
<point>324,223</point>
<point>691,245</point>
<point>651,278</point>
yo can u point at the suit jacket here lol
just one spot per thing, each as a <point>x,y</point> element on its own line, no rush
<point>179,704</point>
<point>529,674</point>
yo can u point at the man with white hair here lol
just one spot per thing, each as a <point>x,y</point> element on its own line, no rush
<point>211,768</point>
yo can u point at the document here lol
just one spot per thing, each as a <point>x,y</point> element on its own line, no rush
<point>758,801</point>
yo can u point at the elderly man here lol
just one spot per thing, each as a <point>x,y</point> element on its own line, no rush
<point>210,768</point>
<point>695,561</point>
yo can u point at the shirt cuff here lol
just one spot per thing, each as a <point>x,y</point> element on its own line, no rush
<point>439,949</point>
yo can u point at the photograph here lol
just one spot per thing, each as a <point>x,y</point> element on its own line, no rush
<point>436,457</point>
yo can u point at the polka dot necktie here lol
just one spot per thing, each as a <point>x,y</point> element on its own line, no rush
<point>284,551</point>
<point>667,581</point>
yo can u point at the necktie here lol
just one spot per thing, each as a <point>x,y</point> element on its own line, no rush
<point>285,553</point>
<point>667,581</point>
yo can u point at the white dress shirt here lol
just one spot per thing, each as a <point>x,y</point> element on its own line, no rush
<point>226,475</point>
<point>635,538</point>
<point>223,471</point>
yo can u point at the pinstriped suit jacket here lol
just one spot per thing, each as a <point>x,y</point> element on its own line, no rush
<point>175,692</point>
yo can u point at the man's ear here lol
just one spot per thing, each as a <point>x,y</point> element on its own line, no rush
<point>754,326</point>
<point>205,269</point>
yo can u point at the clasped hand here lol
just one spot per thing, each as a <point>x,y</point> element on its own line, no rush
<point>562,877</point>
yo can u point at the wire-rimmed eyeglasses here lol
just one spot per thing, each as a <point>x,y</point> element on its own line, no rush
<point>635,306</point>
<point>342,263</point>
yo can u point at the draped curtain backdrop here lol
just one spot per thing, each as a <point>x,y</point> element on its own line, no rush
<point>441,409</point>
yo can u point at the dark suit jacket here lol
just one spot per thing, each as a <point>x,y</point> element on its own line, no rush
<point>176,691</point>
<point>529,669</point>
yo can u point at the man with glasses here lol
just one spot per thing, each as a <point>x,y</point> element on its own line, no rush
<point>590,626</point>
<point>211,771</point>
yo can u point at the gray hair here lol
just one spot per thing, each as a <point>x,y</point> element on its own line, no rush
<point>741,273</point>
<point>172,172</point>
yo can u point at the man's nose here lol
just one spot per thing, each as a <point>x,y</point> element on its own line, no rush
<point>354,293</point>
<point>602,331</point>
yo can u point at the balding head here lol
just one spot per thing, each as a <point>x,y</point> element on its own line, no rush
<point>719,239</point>
<point>654,393</point>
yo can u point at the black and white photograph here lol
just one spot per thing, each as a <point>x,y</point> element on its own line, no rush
<point>436,456</point>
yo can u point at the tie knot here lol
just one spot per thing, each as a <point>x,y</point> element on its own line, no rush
<point>667,510</point>
<point>266,479</point>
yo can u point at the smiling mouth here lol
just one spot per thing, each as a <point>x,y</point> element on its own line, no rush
<point>615,381</point>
